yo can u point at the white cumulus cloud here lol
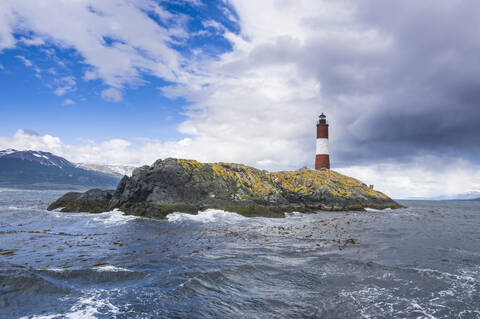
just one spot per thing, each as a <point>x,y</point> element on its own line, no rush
<point>116,38</point>
<point>112,95</point>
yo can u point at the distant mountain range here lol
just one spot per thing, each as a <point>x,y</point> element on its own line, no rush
<point>44,170</point>
<point>466,196</point>
<point>475,195</point>
<point>116,170</point>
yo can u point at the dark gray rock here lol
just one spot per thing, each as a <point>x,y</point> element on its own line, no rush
<point>184,185</point>
<point>92,201</point>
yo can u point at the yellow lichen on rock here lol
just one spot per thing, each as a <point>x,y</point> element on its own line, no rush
<point>302,182</point>
<point>190,164</point>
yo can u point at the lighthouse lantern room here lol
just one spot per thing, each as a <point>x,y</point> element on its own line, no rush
<point>322,157</point>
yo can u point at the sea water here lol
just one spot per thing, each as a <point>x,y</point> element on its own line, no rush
<point>418,262</point>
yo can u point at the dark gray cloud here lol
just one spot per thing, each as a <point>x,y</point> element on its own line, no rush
<point>420,93</point>
<point>398,79</point>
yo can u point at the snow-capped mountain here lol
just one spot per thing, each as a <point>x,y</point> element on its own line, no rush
<point>43,158</point>
<point>37,169</point>
<point>109,169</point>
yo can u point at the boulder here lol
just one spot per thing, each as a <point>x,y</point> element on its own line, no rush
<point>92,201</point>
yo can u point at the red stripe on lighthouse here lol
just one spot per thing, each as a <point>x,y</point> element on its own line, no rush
<point>322,157</point>
<point>322,130</point>
<point>322,161</point>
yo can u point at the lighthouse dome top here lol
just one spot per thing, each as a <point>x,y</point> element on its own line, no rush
<point>322,119</point>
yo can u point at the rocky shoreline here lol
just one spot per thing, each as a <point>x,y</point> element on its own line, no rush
<point>177,185</point>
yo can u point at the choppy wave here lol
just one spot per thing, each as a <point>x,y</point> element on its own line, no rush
<point>113,218</point>
<point>29,283</point>
<point>206,216</point>
<point>111,268</point>
<point>89,306</point>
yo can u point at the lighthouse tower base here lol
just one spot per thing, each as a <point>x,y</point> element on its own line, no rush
<point>322,161</point>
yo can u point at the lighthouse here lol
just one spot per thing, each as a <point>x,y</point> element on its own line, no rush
<point>322,157</point>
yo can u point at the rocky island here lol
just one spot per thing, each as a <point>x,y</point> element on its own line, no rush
<point>178,185</point>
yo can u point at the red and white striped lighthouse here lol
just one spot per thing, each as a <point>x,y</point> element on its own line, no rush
<point>322,158</point>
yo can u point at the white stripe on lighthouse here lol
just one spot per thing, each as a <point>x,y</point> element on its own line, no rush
<point>322,146</point>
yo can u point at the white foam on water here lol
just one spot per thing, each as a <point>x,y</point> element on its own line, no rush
<point>368,209</point>
<point>81,219</point>
<point>422,310</point>
<point>113,218</point>
<point>464,284</point>
<point>111,268</point>
<point>374,300</point>
<point>464,275</point>
<point>67,215</point>
<point>367,299</point>
<point>294,214</point>
<point>86,307</point>
<point>206,216</point>
<point>15,208</point>
<point>56,269</point>
<point>24,208</point>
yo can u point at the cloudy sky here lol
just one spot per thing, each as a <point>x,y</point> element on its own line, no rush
<point>127,82</point>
